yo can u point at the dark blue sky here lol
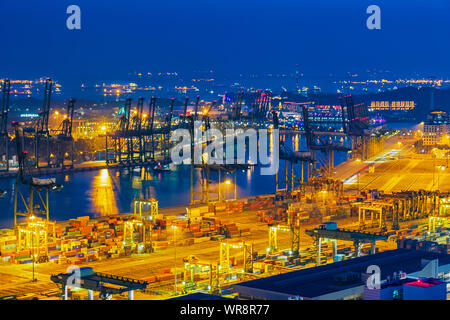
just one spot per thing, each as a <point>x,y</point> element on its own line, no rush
<point>322,36</point>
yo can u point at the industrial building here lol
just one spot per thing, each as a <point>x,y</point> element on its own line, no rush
<point>346,280</point>
<point>435,128</point>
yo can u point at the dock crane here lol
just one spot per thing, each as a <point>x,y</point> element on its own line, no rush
<point>4,138</point>
<point>290,158</point>
<point>196,108</point>
<point>237,106</point>
<point>167,130</point>
<point>149,140</point>
<point>124,126</point>
<point>319,146</point>
<point>260,106</point>
<point>209,171</point>
<point>206,116</point>
<point>38,187</point>
<point>64,136</point>
<point>356,124</point>
<point>41,129</point>
<point>295,237</point>
<point>137,140</point>
<point>186,102</point>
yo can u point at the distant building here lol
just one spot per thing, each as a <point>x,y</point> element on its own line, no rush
<point>404,106</point>
<point>435,128</point>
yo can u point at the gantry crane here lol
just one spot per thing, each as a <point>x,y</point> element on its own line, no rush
<point>196,108</point>
<point>186,102</point>
<point>149,139</point>
<point>260,107</point>
<point>291,179</point>
<point>41,130</point>
<point>237,106</point>
<point>4,138</point>
<point>166,133</point>
<point>37,186</point>
<point>365,143</point>
<point>191,265</point>
<point>64,137</point>
<point>207,171</point>
<point>295,237</point>
<point>320,147</point>
<point>247,251</point>
<point>137,151</point>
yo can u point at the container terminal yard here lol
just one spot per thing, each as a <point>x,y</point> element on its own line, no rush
<point>387,196</point>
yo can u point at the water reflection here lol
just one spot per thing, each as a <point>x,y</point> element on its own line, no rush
<point>103,198</point>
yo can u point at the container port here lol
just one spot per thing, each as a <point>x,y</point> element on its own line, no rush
<point>237,152</point>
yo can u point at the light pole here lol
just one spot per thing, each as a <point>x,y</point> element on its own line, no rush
<point>441,168</point>
<point>175,256</point>
<point>358,160</point>
<point>434,167</point>
<point>32,246</point>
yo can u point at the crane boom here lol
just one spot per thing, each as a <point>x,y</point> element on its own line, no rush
<point>5,106</point>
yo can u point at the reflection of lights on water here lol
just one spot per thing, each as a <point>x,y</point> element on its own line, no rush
<point>104,176</point>
<point>102,194</point>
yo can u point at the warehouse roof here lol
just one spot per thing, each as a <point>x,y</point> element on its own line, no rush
<point>199,296</point>
<point>322,280</point>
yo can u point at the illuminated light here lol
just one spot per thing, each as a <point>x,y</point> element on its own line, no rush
<point>228,182</point>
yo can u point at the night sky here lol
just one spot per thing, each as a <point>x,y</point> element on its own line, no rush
<point>228,36</point>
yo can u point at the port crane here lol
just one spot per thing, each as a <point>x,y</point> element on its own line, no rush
<point>260,107</point>
<point>321,147</point>
<point>149,140</point>
<point>207,171</point>
<point>64,137</point>
<point>196,108</point>
<point>291,179</point>
<point>166,133</point>
<point>41,129</point>
<point>4,138</point>
<point>136,140</point>
<point>136,136</point>
<point>38,187</point>
<point>237,106</point>
<point>355,123</point>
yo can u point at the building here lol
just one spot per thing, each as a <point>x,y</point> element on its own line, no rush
<point>408,289</point>
<point>425,289</point>
<point>403,106</point>
<point>199,296</point>
<point>435,129</point>
<point>344,280</point>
